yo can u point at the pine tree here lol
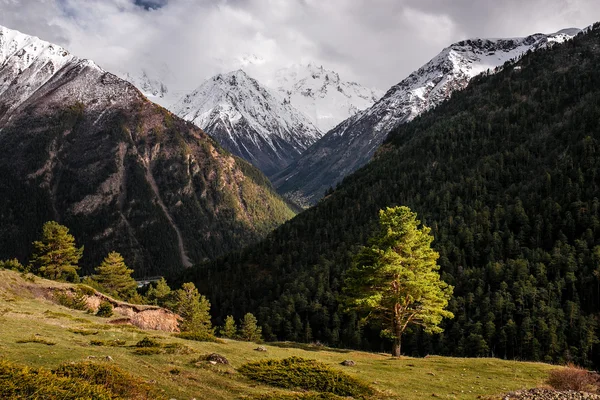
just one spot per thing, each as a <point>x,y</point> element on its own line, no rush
<point>159,293</point>
<point>55,255</point>
<point>114,276</point>
<point>229,329</point>
<point>194,309</point>
<point>250,330</point>
<point>395,280</point>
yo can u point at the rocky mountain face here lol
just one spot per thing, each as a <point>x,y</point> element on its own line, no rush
<point>321,95</point>
<point>249,120</point>
<point>351,144</point>
<point>153,88</point>
<point>87,149</point>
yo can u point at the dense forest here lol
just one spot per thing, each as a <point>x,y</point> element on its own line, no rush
<point>506,173</point>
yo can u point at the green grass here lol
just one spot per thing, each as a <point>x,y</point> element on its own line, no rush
<point>28,315</point>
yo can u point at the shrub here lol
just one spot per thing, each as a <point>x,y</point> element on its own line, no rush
<point>13,264</point>
<point>298,396</point>
<point>199,337</point>
<point>105,310</point>
<point>575,378</point>
<point>147,351</point>
<point>39,340</point>
<point>83,332</point>
<point>18,382</point>
<point>120,383</point>
<point>296,372</point>
<point>109,343</point>
<point>178,348</point>
<point>147,342</point>
<point>75,301</point>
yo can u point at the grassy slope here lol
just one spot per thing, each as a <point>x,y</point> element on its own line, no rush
<point>22,316</point>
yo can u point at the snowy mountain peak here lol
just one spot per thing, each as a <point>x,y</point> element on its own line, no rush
<point>249,120</point>
<point>322,95</point>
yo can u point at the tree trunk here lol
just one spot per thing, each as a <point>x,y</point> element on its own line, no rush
<point>396,347</point>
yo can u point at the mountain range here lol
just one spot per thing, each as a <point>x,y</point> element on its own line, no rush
<point>351,144</point>
<point>86,148</point>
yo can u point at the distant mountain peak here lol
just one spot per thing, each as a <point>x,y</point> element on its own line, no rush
<point>249,120</point>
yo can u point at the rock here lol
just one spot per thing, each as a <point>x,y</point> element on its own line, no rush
<point>261,348</point>
<point>348,363</point>
<point>215,358</point>
<point>108,358</point>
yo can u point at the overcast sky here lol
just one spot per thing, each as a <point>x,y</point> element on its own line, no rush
<point>374,42</point>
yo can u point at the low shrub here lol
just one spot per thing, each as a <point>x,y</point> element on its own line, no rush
<point>178,348</point>
<point>75,301</point>
<point>296,372</point>
<point>83,332</point>
<point>122,384</point>
<point>105,310</point>
<point>35,339</point>
<point>199,337</point>
<point>298,396</point>
<point>13,265</point>
<point>147,342</point>
<point>574,378</point>
<point>147,351</point>
<point>20,383</point>
<point>108,343</point>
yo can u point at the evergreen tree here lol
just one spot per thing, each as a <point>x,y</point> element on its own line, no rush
<point>194,309</point>
<point>115,278</point>
<point>250,330</point>
<point>395,279</point>
<point>159,293</point>
<point>55,255</point>
<point>229,329</point>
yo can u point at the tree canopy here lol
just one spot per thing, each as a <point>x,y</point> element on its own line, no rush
<point>114,277</point>
<point>395,280</point>
<point>55,255</point>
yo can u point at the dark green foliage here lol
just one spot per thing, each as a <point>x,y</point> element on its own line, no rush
<point>147,342</point>
<point>199,337</point>
<point>55,256</point>
<point>75,300</point>
<point>108,343</point>
<point>296,372</point>
<point>105,309</point>
<point>506,175</point>
<point>114,277</point>
<point>13,265</point>
<point>25,383</point>
<point>148,351</point>
<point>120,383</point>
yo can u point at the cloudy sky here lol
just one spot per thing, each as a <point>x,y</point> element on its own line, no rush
<point>374,42</point>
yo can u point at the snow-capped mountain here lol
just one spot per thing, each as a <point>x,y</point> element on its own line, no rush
<point>86,147</point>
<point>154,89</point>
<point>352,143</point>
<point>249,120</point>
<point>321,95</point>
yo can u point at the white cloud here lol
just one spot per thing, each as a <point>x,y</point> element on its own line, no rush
<point>376,42</point>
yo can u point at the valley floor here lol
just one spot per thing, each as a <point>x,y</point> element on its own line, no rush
<point>25,315</point>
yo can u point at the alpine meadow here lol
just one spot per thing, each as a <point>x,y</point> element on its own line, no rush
<point>224,204</point>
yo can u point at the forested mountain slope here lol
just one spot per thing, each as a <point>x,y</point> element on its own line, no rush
<point>506,173</point>
<point>87,149</point>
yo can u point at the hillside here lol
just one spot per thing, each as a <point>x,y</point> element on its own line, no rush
<point>352,143</point>
<point>505,174</point>
<point>87,149</point>
<point>249,120</point>
<point>25,313</point>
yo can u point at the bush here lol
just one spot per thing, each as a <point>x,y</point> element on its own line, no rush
<point>105,310</point>
<point>109,343</point>
<point>120,383</point>
<point>21,383</point>
<point>83,332</point>
<point>296,372</point>
<point>303,396</point>
<point>575,378</point>
<point>34,339</point>
<point>13,264</point>
<point>199,337</point>
<point>75,301</point>
<point>147,351</point>
<point>147,342</point>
